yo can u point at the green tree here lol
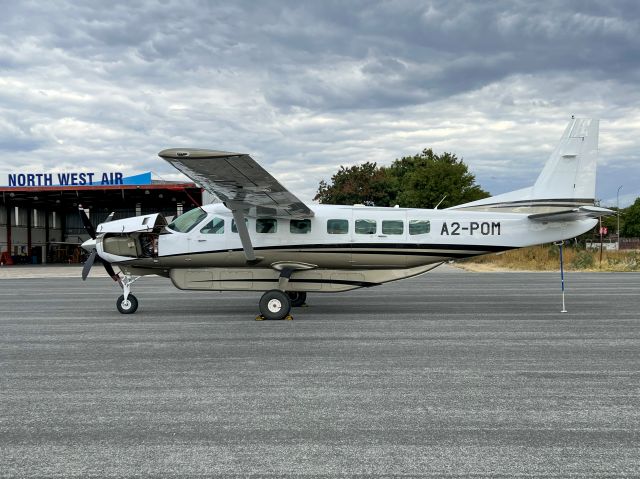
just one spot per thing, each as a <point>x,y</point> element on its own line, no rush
<point>427,178</point>
<point>366,184</point>
<point>418,181</point>
<point>631,226</point>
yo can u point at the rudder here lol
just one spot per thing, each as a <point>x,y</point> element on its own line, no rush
<point>570,171</point>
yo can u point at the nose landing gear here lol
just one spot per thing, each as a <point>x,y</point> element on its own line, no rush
<point>127,306</point>
<point>127,303</point>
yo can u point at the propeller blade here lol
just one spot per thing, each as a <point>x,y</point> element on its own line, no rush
<point>88,264</point>
<point>110,271</point>
<point>91,231</point>
<point>110,217</point>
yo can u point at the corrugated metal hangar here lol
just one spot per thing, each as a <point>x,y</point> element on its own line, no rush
<point>39,221</point>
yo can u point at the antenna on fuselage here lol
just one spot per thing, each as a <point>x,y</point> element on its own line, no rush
<point>440,202</point>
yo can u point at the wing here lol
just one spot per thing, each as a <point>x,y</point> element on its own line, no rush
<point>581,213</point>
<point>239,181</point>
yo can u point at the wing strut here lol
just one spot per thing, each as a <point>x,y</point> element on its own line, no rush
<point>245,239</point>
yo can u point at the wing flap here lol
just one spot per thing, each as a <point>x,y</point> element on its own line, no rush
<point>581,213</point>
<point>239,181</point>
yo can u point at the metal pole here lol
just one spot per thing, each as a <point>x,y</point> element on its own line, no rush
<point>564,310</point>
<point>601,242</point>
<point>618,211</point>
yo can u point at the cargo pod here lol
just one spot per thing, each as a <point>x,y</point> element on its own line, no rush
<point>135,237</point>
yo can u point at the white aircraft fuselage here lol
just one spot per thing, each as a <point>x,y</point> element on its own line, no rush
<point>263,238</point>
<point>381,244</point>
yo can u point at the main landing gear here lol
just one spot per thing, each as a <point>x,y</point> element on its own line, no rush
<point>297,298</point>
<point>276,304</point>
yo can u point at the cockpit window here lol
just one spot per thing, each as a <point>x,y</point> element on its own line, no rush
<point>186,222</point>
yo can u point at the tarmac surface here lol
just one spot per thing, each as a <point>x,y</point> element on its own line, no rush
<point>452,374</point>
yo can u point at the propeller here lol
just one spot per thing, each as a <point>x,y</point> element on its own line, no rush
<point>88,264</point>
<point>90,245</point>
<point>91,231</point>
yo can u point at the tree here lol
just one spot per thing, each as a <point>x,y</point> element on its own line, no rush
<point>366,184</point>
<point>427,178</point>
<point>631,226</point>
<point>418,181</point>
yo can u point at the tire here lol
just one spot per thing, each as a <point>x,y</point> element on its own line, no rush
<point>275,304</point>
<point>129,307</point>
<point>297,298</point>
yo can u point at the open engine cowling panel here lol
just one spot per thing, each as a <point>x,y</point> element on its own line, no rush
<point>135,237</point>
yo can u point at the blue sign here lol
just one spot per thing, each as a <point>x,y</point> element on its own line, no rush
<point>77,179</point>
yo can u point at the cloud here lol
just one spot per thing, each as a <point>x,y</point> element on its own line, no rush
<point>306,87</point>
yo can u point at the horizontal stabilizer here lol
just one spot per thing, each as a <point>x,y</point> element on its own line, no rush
<point>581,213</point>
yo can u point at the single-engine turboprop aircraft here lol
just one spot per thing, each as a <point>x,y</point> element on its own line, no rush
<point>263,238</point>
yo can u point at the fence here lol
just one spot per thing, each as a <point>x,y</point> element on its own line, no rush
<point>629,243</point>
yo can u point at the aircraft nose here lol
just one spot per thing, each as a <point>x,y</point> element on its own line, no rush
<point>89,245</point>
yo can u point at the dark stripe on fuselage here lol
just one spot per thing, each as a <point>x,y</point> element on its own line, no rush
<point>410,249</point>
<point>408,246</point>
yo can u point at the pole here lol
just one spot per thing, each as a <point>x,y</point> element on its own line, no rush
<point>618,211</point>
<point>601,242</point>
<point>560,243</point>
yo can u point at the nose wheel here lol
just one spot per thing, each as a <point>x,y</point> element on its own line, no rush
<point>127,303</point>
<point>127,306</point>
<point>274,304</point>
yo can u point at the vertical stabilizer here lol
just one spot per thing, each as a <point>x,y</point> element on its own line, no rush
<point>570,172</point>
<point>568,178</point>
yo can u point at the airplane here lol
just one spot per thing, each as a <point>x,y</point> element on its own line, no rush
<point>263,238</point>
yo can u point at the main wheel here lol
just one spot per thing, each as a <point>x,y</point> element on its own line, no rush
<point>129,306</point>
<point>275,304</point>
<point>297,298</point>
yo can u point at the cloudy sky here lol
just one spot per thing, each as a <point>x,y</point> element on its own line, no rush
<point>305,87</point>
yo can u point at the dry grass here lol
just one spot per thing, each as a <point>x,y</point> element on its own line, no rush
<point>546,258</point>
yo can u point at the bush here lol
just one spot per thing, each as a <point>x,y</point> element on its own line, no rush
<point>583,260</point>
<point>553,252</point>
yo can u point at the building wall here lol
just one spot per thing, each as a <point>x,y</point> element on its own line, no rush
<point>3,228</point>
<point>20,231</point>
<point>66,230</point>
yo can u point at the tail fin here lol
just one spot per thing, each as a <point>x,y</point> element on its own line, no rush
<point>568,178</point>
<point>570,172</point>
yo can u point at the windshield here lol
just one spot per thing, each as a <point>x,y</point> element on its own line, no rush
<point>185,223</point>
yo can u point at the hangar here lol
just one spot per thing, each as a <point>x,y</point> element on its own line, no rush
<point>39,220</point>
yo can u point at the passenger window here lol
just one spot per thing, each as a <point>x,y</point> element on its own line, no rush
<point>419,227</point>
<point>234,228</point>
<point>266,225</point>
<point>300,227</point>
<point>392,227</point>
<point>366,227</point>
<point>214,227</point>
<point>337,227</point>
